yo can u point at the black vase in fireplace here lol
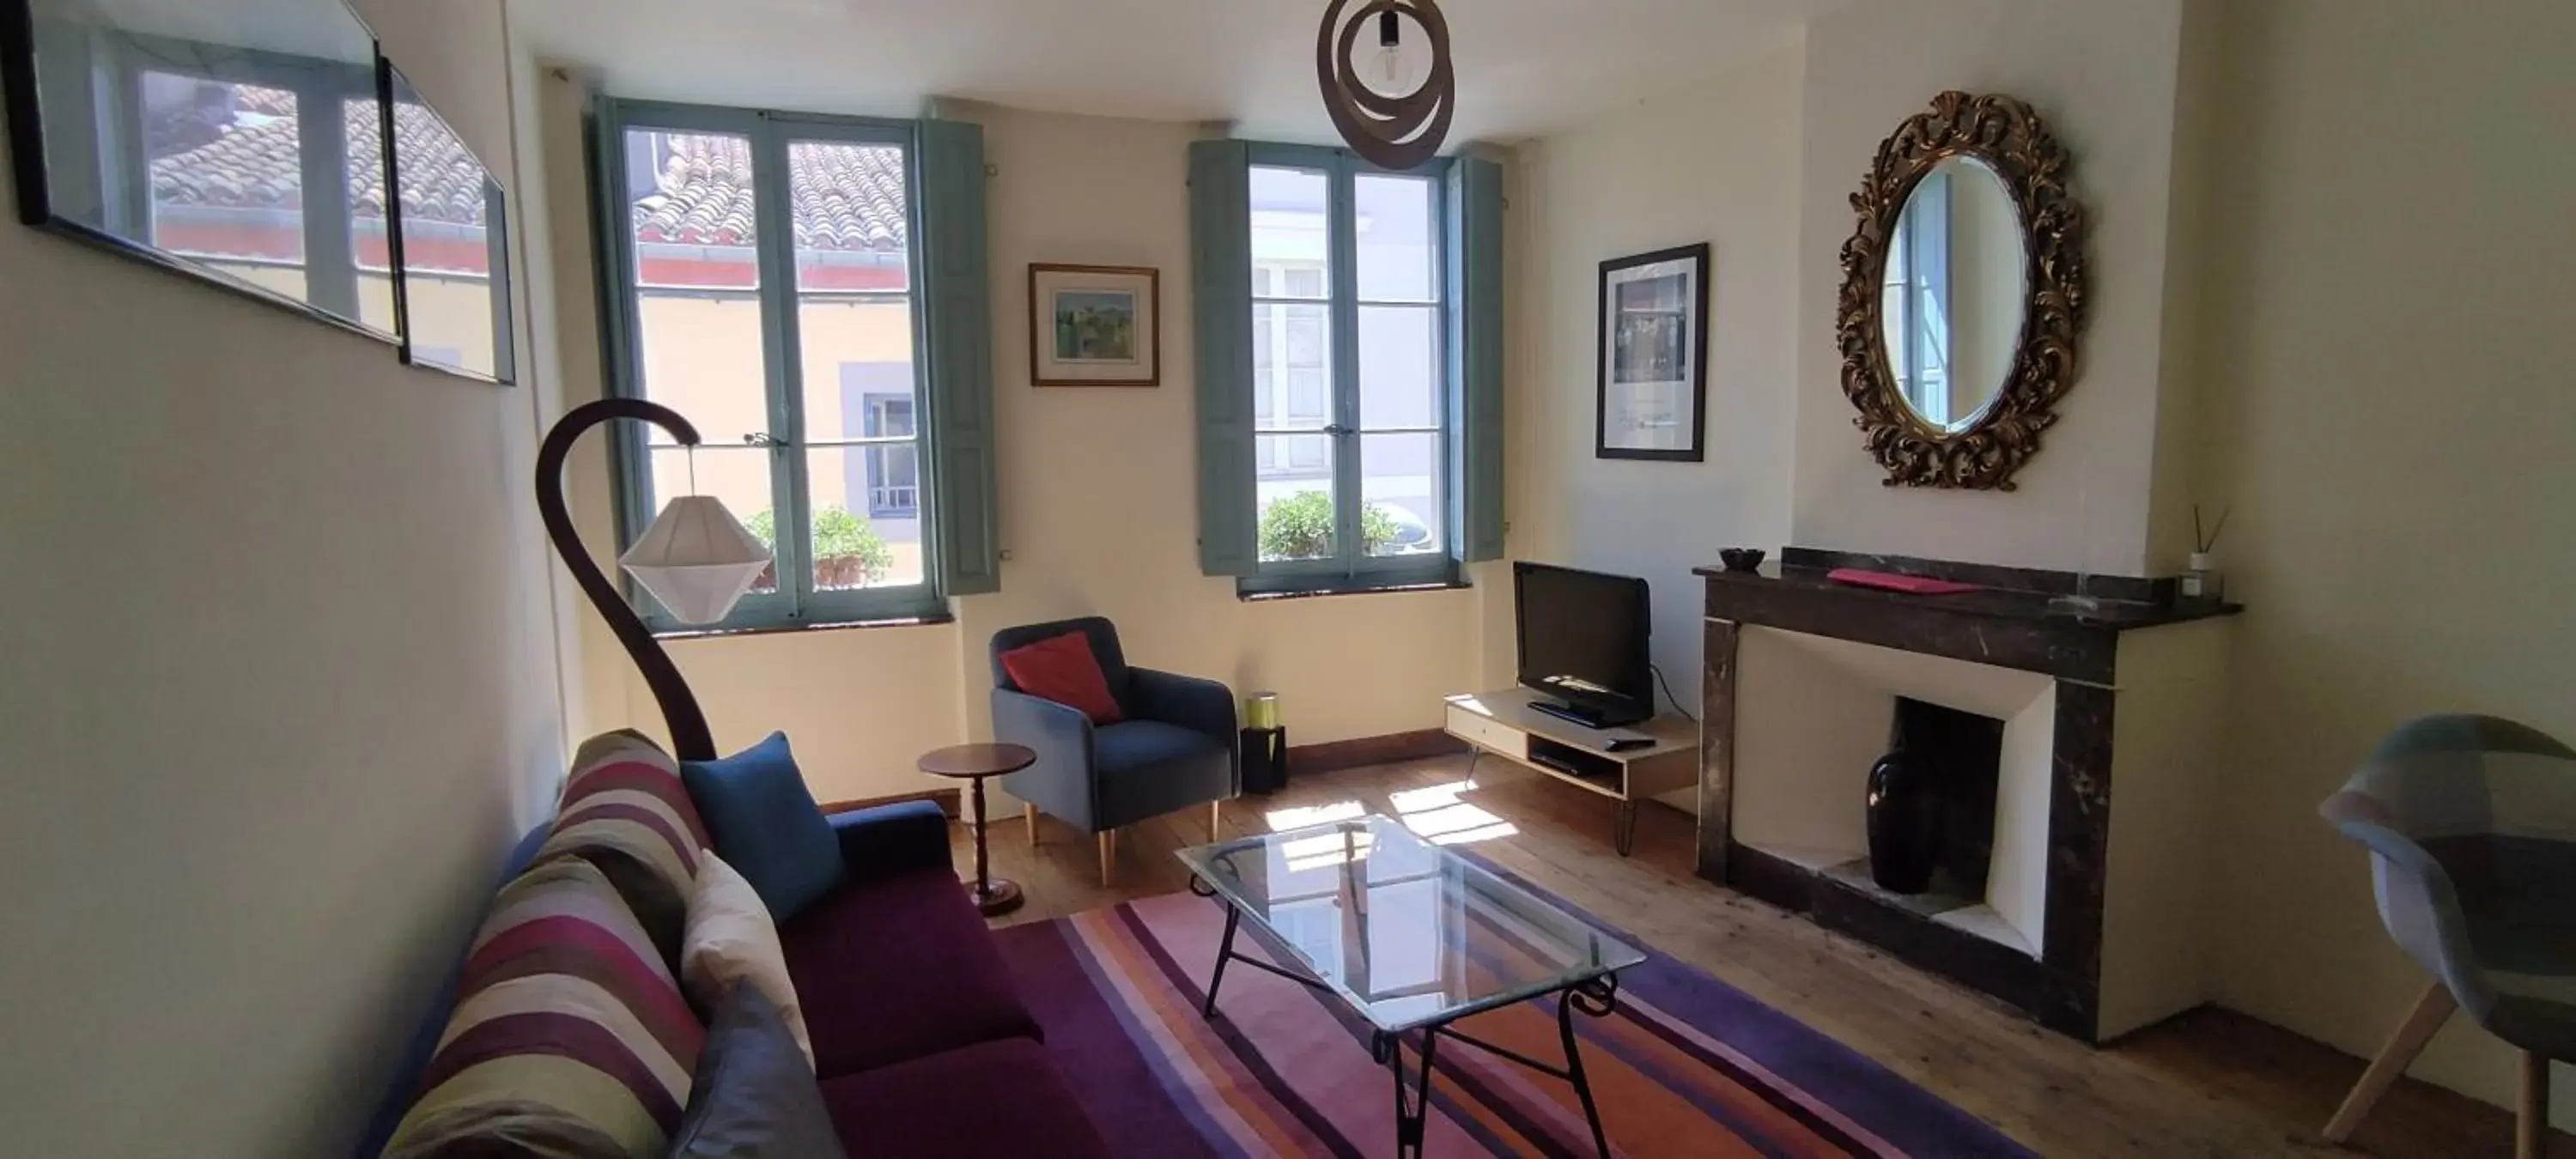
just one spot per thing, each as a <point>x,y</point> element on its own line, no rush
<point>1904,821</point>
<point>1932,800</point>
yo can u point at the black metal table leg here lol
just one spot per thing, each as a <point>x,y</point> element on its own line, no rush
<point>1565,1008</point>
<point>1225,951</point>
<point>1412,1108</point>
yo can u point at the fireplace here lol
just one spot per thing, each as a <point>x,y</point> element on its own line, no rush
<point>2049,889</point>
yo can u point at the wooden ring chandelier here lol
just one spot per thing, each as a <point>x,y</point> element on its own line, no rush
<point>1391,132</point>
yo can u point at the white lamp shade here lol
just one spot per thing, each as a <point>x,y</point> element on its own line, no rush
<point>697,559</point>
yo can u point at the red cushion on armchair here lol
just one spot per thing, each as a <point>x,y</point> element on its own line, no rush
<point>1062,669</point>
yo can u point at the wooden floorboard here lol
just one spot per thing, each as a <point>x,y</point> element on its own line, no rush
<point>2210,1083</point>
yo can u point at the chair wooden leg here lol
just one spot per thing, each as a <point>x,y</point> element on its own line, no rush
<point>1216,820</point>
<point>1030,813</point>
<point>1108,857</point>
<point>2431,1010</point>
<point>2531,1126</point>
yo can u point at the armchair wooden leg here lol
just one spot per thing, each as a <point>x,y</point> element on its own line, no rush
<point>1216,820</point>
<point>2531,1127</point>
<point>1030,813</point>
<point>2431,1010</point>
<point>1108,857</point>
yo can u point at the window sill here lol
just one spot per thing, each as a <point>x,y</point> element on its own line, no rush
<point>921,621</point>
<point>1357,588</point>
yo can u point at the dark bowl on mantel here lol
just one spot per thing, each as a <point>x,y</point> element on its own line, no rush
<point>1741,558</point>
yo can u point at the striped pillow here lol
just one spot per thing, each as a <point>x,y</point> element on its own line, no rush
<point>626,811</point>
<point>569,1037</point>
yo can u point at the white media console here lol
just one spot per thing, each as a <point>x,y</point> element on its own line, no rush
<point>1506,725</point>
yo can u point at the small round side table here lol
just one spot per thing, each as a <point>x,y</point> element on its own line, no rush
<point>976,764</point>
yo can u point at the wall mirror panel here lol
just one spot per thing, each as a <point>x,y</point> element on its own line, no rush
<point>452,243</point>
<point>234,140</point>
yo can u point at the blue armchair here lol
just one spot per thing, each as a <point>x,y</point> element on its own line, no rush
<point>1175,749</point>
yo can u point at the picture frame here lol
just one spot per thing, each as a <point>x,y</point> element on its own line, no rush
<point>1652,363</point>
<point>1095,325</point>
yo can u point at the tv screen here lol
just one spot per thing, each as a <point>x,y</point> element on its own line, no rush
<point>1583,641</point>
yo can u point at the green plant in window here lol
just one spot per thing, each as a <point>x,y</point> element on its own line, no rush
<point>848,553</point>
<point>1300,526</point>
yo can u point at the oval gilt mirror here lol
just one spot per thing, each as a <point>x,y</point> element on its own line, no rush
<point>1953,303</point>
<point>1963,294</point>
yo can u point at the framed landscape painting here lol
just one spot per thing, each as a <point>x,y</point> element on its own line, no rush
<point>1654,356</point>
<point>1095,326</point>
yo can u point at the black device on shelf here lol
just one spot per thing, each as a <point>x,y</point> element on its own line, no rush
<point>1583,640</point>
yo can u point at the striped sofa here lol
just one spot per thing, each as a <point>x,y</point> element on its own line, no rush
<point>570,1036</point>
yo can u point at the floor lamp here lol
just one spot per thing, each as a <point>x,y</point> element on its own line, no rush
<point>696,558</point>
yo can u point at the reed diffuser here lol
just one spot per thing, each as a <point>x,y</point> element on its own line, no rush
<point>2201,581</point>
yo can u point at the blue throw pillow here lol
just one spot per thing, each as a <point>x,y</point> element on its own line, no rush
<point>765,824</point>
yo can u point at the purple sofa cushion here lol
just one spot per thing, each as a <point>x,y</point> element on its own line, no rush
<point>898,968</point>
<point>998,1100</point>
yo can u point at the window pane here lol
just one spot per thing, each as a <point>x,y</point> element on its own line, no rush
<point>1399,366</point>
<point>737,476</point>
<point>867,516</point>
<point>698,312</point>
<point>1400,483</point>
<point>227,177</point>
<point>1292,349</point>
<point>1398,245</point>
<point>1290,211</point>
<point>1295,490</point>
<point>853,216</point>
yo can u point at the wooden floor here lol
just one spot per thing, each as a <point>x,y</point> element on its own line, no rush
<point>2208,1083</point>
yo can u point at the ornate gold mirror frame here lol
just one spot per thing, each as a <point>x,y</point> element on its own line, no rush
<point>2010,139</point>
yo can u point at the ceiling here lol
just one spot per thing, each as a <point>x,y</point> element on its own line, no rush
<point>1524,66</point>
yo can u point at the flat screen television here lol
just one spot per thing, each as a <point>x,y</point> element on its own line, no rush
<point>1583,642</point>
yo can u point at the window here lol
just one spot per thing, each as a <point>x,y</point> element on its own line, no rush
<point>1349,377</point>
<point>1349,358</point>
<point>772,293</point>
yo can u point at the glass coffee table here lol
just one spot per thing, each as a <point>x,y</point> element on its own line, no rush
<point>1414,938</point>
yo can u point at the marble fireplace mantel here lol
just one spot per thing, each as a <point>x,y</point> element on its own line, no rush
<point>2126,701</point>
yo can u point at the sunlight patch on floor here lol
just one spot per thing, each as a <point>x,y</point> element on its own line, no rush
<point>1298,818</point>
<point>1433,812</point>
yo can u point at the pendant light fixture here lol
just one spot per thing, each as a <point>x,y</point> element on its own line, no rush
<point>1393,123</point>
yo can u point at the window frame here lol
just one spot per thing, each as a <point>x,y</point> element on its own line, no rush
<point>1350,568</point>
<point>796,602</point>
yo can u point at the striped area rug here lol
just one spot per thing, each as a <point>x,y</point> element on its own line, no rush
<point>1687,1066</point>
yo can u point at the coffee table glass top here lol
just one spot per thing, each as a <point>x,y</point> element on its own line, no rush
<point>1408,932</point>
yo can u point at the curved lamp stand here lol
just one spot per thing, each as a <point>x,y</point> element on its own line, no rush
<point>690,740</point>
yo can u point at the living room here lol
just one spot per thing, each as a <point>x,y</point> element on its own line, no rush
<point>262,801</point>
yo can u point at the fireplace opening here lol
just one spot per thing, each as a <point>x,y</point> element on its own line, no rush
<point>1931,809</point>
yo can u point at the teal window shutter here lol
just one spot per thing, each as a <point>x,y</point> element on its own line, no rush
<point>1221,295</point>
<point>958,324</point>
<point>1476,356</point>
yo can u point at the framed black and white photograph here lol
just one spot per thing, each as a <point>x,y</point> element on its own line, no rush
<point>1654,356</point>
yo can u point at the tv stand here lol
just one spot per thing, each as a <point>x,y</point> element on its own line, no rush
<point>1567,710</point>
<point>1525,728</point>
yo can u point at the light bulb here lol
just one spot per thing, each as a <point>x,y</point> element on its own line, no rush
<point>1394,73</point>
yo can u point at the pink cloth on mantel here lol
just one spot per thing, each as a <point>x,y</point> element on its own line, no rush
<point>1889,581</point>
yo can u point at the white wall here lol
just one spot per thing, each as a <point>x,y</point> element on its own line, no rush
<point>1719,164</point>
<point>2389,412</point>
<point>278,691</point>
<point>2102,76</point>
<point>1098,508</point>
